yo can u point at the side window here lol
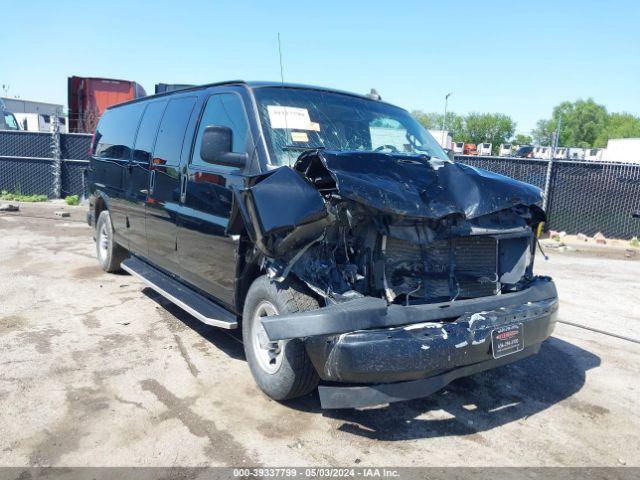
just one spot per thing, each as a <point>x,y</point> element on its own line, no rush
<point>226,110</point>
<point>172,130</point>
<point>116,130</point>
<point>147,132</point>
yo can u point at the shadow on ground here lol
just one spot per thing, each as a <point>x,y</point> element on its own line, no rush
<point>465,407</point>
<point>229,341</point>
<point>478,403</point>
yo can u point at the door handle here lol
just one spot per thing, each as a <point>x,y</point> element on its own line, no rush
<point>152,182</point>
<point>183,188</point>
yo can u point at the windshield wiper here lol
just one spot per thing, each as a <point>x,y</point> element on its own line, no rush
<point>302,148</point>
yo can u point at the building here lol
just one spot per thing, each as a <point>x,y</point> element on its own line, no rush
<point>36,116</point>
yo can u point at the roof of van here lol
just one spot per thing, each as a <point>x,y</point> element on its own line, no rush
<point>250,84</point>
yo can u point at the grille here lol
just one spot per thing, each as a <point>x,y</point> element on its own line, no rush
<point>464,267</point>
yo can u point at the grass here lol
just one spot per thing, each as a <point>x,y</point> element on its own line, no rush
<point>17,197</point>
<point>635,242</point>
<point>71,199</point>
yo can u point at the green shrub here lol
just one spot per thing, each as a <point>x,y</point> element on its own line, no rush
<point>635,242</point>
<point>71,200</point>
<point>17,197</point>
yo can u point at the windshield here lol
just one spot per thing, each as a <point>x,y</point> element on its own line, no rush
<point>295,120</point>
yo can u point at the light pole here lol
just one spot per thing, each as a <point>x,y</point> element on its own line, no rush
<point>444,119</point>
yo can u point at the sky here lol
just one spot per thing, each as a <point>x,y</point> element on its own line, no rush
<point>520,58</point>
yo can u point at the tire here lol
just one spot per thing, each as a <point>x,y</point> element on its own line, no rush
<point>289,373</point>
<point>109,253</point>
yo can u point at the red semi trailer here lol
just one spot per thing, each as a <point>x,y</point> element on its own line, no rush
<point>89,97</point>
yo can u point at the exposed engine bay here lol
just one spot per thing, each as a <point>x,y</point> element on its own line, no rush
<point>405,228</point>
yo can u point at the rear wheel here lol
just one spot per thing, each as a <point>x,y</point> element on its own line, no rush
<point>281,369</point>
<point>110,254</point>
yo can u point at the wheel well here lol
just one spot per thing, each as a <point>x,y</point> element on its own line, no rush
<point>100,206</point>
<point>249,272</point>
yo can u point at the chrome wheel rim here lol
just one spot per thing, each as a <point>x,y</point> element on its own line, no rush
<point>269,354</point>
<point>103,241</point>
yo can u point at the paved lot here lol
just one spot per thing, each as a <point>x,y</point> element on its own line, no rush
<point>97,370</point>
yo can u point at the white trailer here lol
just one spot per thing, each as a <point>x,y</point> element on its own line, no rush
<point>443,137</point>
<point>38,122</point>
<point>484,149</point>
<point>622,150</point>
<point>561,153</point>
<point>505,150</point>
<point>593,154</point>
<point>575,153</point>
<point>458,148</point>
<point>542,152</point>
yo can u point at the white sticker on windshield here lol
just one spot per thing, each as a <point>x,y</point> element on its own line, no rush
<point>289,117</point>
<point>299,137</point>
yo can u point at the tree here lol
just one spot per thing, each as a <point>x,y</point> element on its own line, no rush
<point>433,121</point>
<point>494,128</point>
<point>543,133</point>
<point>521,139</point>
<point>583,121</point>
<point>619,125</point>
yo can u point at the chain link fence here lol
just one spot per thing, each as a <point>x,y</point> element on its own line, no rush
<point>52,164</point>
<point>581,197</point>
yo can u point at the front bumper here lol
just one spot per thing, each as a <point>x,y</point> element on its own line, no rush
<point>421,350</point>
<point>409,352</point>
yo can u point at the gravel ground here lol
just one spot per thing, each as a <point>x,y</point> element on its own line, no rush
<point>95,369</point>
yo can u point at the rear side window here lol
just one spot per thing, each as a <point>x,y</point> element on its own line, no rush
<point>172,130</point>
<point>147,132</point>
<point>116,131</point>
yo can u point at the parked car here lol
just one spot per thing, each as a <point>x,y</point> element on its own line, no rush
<point>458,148</point>
<point>367,261</point>
<point>525,151</point>
<point>470,149</point>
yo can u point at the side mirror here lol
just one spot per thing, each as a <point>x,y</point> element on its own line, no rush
<point>216,146</point>
<point>450,153</point>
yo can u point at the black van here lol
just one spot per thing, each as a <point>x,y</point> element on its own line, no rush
<point>331,227</point>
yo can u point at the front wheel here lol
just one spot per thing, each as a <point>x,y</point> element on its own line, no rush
<point>109,253</point>
<point>281,369</point>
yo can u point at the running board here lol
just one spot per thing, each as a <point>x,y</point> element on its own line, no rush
<point>190,301</point>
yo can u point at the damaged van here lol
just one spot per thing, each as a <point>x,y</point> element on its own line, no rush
<point>331,228</point>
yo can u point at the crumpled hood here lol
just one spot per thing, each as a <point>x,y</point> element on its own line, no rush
<point>414,186</point>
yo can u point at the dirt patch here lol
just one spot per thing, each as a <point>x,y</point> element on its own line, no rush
<point>87,272</point>
<point>585,408</point>
<point>40,339</point>
<point>12,323</point>
<point>222,446</point>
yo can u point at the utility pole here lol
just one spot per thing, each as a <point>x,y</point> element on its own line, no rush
<point>444,118</point>
<point>547,181</point>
